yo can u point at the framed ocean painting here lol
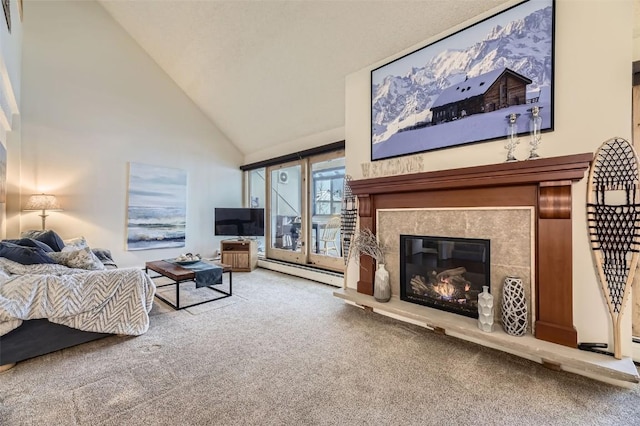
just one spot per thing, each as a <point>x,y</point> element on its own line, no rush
<point>3,174</point>
<point>463,88</point>
<point>157,207</point>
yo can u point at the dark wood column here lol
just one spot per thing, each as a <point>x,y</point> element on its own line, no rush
<point>554,300</point>
<point>367,266</point>
<point>544,184</point>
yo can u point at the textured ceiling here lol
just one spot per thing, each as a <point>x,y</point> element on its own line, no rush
<point>268,72</point>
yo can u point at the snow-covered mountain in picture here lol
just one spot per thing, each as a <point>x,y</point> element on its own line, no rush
<point>404,91</point>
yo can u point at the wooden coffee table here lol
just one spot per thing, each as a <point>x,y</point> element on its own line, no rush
<point>180,275</point>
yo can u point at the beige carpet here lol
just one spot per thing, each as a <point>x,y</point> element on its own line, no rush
<point>283,350</point>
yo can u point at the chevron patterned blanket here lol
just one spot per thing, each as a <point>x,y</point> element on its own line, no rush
<point>116,301</point>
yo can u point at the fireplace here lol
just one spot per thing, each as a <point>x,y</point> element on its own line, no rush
<point>444,273</point>
<point>544,184</point>
<point>455,203</point>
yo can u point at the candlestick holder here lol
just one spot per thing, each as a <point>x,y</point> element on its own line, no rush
<point>536,136</point>
<point>512,141</point>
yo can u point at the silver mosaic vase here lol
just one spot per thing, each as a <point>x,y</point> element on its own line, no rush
<point>514,307</point>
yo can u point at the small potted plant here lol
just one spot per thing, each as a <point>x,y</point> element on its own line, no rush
<point>366,243</point>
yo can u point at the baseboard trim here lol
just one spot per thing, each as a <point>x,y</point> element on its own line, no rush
<point>335,279</point>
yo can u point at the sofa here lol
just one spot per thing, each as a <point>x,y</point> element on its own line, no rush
<point>57,293</point>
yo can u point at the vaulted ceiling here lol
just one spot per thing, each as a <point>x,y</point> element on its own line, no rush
<point>268,72</point>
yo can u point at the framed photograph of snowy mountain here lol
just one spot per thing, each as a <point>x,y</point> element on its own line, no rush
<point>462,89</point>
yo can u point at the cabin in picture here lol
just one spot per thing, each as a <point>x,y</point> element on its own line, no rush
<point>488,92</point>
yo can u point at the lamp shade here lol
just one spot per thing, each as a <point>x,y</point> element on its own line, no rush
<point>42,202</point>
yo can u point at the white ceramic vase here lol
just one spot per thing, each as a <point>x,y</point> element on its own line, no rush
<point>381,285</point>
<point>485,310</point>
<point>514,307</point>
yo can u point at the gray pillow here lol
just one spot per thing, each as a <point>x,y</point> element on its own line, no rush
<point>24,255</point>
<point>74,244</point>
<point>105,256</point>
<point>48,237</point>
<point>30,242</point>
<point>80,259</point>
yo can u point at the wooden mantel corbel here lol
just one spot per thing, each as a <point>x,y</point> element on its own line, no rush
<point>544,184</point>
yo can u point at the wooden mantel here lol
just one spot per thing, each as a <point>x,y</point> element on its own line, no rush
<point>544,184</point>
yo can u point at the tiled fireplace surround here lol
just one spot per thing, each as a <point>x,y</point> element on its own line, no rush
<point>509,230</point>
<point>468,202</point>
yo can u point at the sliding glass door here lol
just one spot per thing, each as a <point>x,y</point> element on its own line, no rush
<point>325,206</point>
<point>286,214</point>
<point>303,204</point>
<point>256,189</point>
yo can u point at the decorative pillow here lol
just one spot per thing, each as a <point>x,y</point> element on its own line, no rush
<point>30,242</point>
<point>105,256</point>
<point>48,237</point>
<point>80,259</point>
<point>75,244</point>
<point>24,255</point>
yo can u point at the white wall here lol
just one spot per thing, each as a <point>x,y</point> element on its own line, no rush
<point>93,101</point>
<point>593,55</point>
<point>636,30</point>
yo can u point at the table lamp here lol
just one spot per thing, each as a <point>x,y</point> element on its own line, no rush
<point>43,202</point>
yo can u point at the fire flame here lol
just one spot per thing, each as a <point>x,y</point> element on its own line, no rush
<point>444,288</point>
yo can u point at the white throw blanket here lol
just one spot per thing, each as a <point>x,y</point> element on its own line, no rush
<point>116,301</point>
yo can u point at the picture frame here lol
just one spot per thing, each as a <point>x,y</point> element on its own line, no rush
<point>156,207</point>
<point>3,174</point>
<point>463,88</point>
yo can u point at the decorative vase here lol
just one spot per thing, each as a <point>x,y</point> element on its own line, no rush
<point>381,286</point>
<point>514,307</point>
<point>485,310</point>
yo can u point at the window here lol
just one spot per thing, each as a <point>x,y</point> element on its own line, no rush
<point>327,191</point>
<point>302,195</point>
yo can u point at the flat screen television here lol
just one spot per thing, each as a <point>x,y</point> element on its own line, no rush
<point>239,222</point>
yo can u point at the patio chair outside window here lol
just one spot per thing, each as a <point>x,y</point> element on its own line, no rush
<point>328,239</point>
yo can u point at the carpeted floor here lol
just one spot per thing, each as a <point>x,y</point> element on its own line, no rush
<point>283,350</point>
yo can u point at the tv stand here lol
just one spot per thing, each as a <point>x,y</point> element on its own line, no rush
<point>242,255</point>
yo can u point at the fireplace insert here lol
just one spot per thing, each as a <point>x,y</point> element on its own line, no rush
<point>444,273</point>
